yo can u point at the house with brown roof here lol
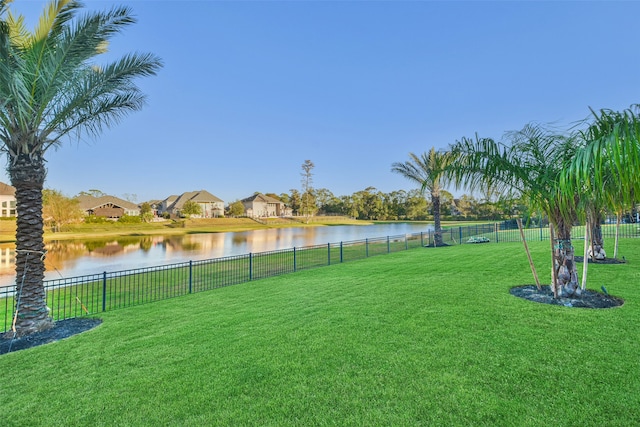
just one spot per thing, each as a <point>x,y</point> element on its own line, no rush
<point>7,200</point>
<point>107,206</point>
<point>260,205</point>
<point>210,205</point>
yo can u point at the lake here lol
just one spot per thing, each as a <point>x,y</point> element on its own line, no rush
<point>80,257</point>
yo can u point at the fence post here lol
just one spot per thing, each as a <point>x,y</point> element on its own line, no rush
<point>341,256</point>
<point>422,239</point>
<point>460,233</point>
<point>190,275</point>
<point>388,245</point>
<point>540,223</point>
<point>295,263</point>
<point>366,247</point>
<point>104,291</point>
<point>496,231</point>
<point>328,253</point>
<point>406,242</point>
<point>250,266</point>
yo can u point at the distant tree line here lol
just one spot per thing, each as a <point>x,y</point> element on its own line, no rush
<point>373,204</point>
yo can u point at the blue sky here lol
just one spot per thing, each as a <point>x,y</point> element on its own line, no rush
<point>251,89</point>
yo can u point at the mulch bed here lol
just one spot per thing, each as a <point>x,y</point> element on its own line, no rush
<point>589,298</point>
<point>61,329</point>
<point>604,261</point>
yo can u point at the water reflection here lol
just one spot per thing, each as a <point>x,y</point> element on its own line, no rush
<point>75,258</point>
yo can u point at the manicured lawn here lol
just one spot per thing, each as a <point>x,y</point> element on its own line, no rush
<point>420,337</point>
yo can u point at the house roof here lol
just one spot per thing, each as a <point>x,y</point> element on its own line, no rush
<point>259,197</point>
<point>90,202</point>
<point>7,190</point>
<point>202,196</point>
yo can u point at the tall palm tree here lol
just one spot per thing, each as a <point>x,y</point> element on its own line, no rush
<point>529,163</point>
<point>51,88</point>
<point>427,170</point>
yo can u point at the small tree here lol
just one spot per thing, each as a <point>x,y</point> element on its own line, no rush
<point>308,208</point>
<point>427,170</point>
<point>190,208</point>
<point>294,202</point>
<point>236,209</point>
<point>146,213</point>
<point>59,210</point>
<point>530,163</point>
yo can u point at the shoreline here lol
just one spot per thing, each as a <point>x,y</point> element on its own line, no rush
<point>175,228</point>
<point>197,226</point>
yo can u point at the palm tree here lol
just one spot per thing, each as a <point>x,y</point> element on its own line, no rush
<point>51,89</point>
<point>529,163</point>
<point>427,170</point>
<point>609,165</point>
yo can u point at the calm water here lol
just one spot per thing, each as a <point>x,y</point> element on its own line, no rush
<point>76,258</point>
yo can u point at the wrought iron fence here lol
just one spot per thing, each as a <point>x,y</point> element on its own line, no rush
<point>91,294</point>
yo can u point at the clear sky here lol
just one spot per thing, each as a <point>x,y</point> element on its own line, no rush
<point>251,89</point>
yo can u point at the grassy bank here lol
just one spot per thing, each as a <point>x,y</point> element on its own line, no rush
<point>187,226</point>
<point>421,337</point>
<point>191,226</point>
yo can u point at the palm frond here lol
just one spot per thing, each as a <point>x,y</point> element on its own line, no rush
<point>98,97</point>
<point>50,86</point>
<point>530,163</point>
<point>54,18</point>
<point>426,170</point>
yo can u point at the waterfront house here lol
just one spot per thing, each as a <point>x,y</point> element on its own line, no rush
<point>210,205</point>
<point>260,205</point>
<point>107,206</point>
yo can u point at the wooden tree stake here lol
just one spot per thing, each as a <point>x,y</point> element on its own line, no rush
<point>526,248</point>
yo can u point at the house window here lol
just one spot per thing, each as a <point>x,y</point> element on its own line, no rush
<point>4,204</point>
<point>12,212</point>
<point>12,204</point>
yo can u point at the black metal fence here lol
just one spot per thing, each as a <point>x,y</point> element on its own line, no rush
<point>87,295</point>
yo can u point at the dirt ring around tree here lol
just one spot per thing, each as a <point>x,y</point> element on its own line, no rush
<point>61,329</point>
<point>589,298</point>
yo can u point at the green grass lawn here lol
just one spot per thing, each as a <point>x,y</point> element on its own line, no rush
<point>420,337</point>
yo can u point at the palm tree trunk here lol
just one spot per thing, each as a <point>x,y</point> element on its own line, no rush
<point>27,175</point>
<point>437,233</point>
<point>615,246</point>
<point>554,271</point>
<point>585,258</point>
<point>597,242</point>
<point>565,267</point>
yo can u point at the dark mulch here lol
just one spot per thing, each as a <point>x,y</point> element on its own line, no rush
<point>61,329</point>
<point>589,298</point>
<point>604,261</point>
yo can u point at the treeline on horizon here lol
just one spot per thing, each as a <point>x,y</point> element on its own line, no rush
<point>373,204</point>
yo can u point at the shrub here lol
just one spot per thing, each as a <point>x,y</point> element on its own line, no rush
<point>130,219</point>
<point>92,219</point>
